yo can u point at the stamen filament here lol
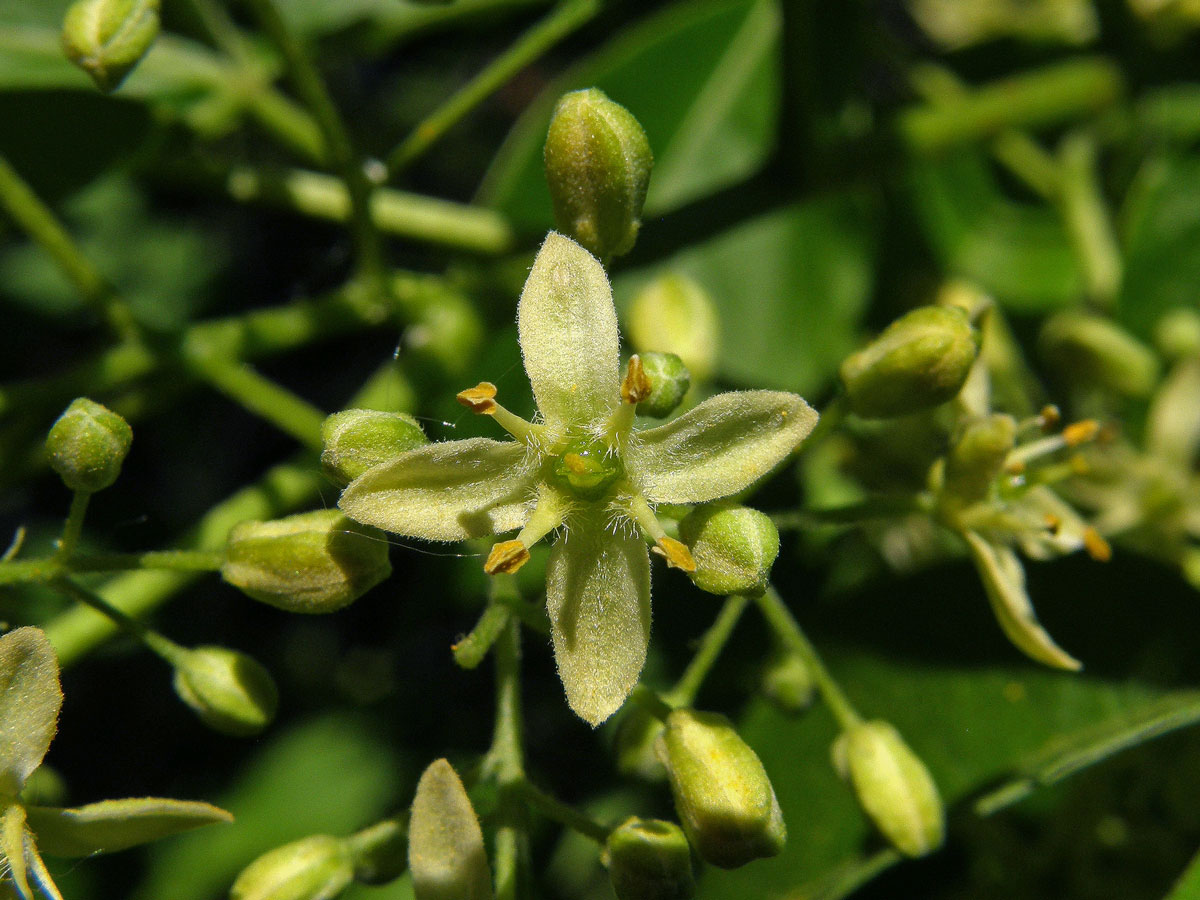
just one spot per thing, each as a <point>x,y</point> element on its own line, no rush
<point>481,400</point>
<point>676,553</point>
<point>507,557</point>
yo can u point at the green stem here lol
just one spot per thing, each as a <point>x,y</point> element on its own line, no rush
<point>788,630</point>
<point>880,507</point>
<point>40,224</point>
<point>288,122</point>
<point>560,812</point>
<point>1088,221</point>
<point>506,762</point>
<point>51,567</point>
<point>163,646</point>
<point>714,640</point>
<point>471,650</point>
<point>532,44</point>
<point>73,526</point>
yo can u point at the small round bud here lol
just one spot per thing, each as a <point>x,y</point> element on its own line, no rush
<point>919,361</point>
<point>1090,350</point>
<point>87,446</point>
<point>445,844</point>
<point>669,382</point>
<point>893,786</point>
<point>734,548</point>
<point>357,439</point>
<point>977,457</point>
<point>788,683</point>
<point>107,38</point>
<point>380,852</point>
<point>314,562</point>
<point>230,692</point>
<point>722,792</point>
<point>312,868</point>
<point>675,314</point>
<point>598,165</point>
<point>649,859</point>
<point>1177,333</point>
<point>637,736</point>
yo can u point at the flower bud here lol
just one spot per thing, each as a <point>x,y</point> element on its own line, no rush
<point>445,844</point>
<point>1177,333</point>
<point>919,361</point>
<point>788,683</point>
<point>87,445</point>
<point>722,792</point>
<point>107,38</point>
<point>649,859</point>
<point>977,457</point>
<point>674,314</point>
<point>669,382</point>
<point>636,738</point>
<point>1093,350</point>
<point>380,852</point>
<point>893,786</point>
<point>598,168</point>
<point>315,562</point>
<point>312,868</point>
<point>230,692</point>
<point>734,548</point>
<point>357,439</point>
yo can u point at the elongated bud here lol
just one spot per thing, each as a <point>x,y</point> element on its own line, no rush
<point>1088,350</point>
<point>893,786</point>
<point>445,844</point>
<point>722,792</point>
<point>230,692</point>
<point>312,868</point>
<point>788,683</point>
<point>674,314</point>
<point>734,548</point>
<point>1177,333</point>
<point>357,439</point>
<point>977,457</point>
<point>637,737</point>
<point>919,361</point>
<point>87,445</point>
<point>669,382</point>
<point>315,562</point>
<point>649,859</point>
<point>598,165</point>
<point>107,38</point>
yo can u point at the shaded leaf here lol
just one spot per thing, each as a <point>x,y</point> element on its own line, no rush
<point>112,825</point>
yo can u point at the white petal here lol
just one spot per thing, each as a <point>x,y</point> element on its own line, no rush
<point>598,597</point>
<point>448,491</point>
<point>568,331</point>
<point>722,446</point>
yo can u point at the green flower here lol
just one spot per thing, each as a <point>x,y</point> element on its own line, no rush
<point>30,699</point>
<point>582,471</point>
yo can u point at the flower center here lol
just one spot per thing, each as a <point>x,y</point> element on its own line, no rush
<point>586,468</point>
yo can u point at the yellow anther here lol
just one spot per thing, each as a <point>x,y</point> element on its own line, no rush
<point>1053,523</point>
<point>676,553</point>
<point>479,399</point>
<point>506,557</point>
<point>1096,546</point>
<point>1049,417</point>
<point>1080,432</point>
<point>1016,467</point>
<point>636,386</point>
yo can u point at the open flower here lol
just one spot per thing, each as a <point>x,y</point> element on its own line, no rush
<point>583,471</point>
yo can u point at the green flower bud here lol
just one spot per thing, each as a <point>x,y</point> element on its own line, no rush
<point>920,361</point>
<point>637,736</point>
<point>598,168</point>
<point>1177,333</point>
<point>669,382</point>
<point>788,683</point>
<point>722,792</point>
<point>734,548</point>
<point>314,562</point>
<point>380,852</point>
<point>893,786</point>
<point>230,692</point>
<point>674,314</point>
<point>1092,350</point>
<point>977,457</point>
<point>649,859</point>
<point>357,439</point>
<point>107,38</point>
<point>445,844</point>
<point>312,868</point>
<point>87,445</point>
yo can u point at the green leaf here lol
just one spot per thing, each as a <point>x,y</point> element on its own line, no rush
<point>30,698</point>
<point>710,121</point>
<point>112,825</point>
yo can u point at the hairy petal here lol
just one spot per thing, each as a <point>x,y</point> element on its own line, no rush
<point>112,825</point>
<point>30,698</point>
<point>14,846</point>
<point>449,491</point>
<point>598,598</point>
<point>568,331</point>
<point>720,447</point>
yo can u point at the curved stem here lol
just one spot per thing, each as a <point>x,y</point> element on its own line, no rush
<point>711,644</point>
<point>73,526</point>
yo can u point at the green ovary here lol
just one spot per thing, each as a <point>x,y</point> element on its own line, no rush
<point>586,469</point>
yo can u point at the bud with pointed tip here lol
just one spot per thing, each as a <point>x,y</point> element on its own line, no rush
<point>107,38</point>
<point>87,446</point>
<point>231,692</point>
<point>893,786</point>
<point>357,439</point>
<point>1093,350</point>
<point>315,562</point>
<point>669,382</point>
<point>445,844</point>
<point>722,793</point>
<point>649,859</point>
<point>734,548</point>
<point>675,314</point>
<point>919,361</point>
<point>788,683</point>
<point>312,868</point>
<point>598,165</point>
